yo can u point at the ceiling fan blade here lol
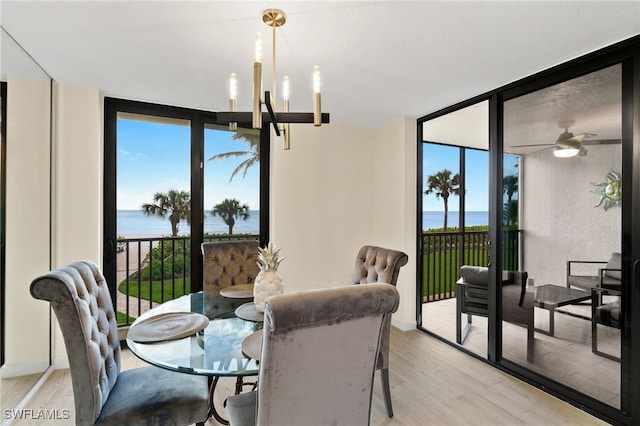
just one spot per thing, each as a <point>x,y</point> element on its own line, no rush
<point>602,142</point>
<point>531,146</point>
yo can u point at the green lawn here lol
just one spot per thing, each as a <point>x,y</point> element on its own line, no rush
<point>157,295</point>
<point>440,270</point>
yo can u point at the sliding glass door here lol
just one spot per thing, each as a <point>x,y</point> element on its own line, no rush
<point>553,298</point>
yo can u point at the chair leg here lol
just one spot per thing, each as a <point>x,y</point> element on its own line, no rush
<point>386,391</point>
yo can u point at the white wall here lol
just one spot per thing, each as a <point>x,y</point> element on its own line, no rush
<point>338,188</point>
<point>27,221</point>
<point>559,219</point>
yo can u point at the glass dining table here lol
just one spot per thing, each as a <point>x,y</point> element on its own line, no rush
<point>215,352</point>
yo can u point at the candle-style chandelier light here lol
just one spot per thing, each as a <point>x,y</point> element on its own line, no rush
<point>273,18</point>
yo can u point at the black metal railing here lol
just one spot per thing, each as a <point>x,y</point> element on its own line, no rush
<point>153,270</point>
<point>444,252</point>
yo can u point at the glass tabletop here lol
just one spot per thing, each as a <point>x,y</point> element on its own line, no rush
<point>215,351</point>
<point>551,296</point>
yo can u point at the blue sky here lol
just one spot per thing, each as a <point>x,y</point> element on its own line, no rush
<point>155,157</point>
<point>438,157</point>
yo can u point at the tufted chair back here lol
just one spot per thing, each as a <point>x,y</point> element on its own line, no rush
<point>380,265</point>
<point>323,342</point>
<point>104,395</point>
<point>80,299</point>
<point>229,263</point>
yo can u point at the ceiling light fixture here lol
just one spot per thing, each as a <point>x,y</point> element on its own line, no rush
<point>273,18</point>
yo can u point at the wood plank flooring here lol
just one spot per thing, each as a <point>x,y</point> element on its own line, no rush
<point>431,384</point>
<point>565,357</point>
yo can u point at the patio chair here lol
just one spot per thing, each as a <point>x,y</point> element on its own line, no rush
<point>608,314</point>
<point>377,264</point>
<point>103,394</point>
<point>318,359</point>
<point>472,298</point>
<point>608,277</point>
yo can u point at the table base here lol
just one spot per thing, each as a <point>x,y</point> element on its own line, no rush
<point>212,388</point>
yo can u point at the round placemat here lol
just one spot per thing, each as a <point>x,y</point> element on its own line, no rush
<point>168,326</point>
<point>252,345</point>
<point>240,291</point>
<point>249,312</point>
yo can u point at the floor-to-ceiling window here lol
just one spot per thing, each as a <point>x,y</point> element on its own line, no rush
<point>455,219</point>
<point>563,241</point>
<point>175,179</point>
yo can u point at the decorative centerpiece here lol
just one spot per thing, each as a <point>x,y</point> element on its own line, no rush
<point>268,282</point>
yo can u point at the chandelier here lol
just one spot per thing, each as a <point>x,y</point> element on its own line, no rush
<point>273,18</point>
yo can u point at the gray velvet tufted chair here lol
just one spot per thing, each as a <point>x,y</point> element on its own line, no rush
<point>229,263</point>
<point>377,264</point>
<point>318,359</point>
<point>103,394</point>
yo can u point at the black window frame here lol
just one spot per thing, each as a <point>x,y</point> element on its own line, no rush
<point>198,119</point>
<point>3,204</point>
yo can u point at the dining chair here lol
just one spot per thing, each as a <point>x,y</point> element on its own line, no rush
<point>318,358</point>
<point>103,394</point>
<point>227,263</point>
<point>377,264</point>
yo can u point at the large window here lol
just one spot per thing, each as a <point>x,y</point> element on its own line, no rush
<point>173,180</point>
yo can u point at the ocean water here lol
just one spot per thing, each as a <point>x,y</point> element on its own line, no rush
<point>431,220</point>
<point>134,222</point>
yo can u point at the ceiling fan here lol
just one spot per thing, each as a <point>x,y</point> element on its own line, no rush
<point>570,145</point>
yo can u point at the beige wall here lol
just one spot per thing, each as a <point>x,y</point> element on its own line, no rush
<point>27,220</point>
<point>77,183</point>
<point>338,188</point>
<point>74,194</point>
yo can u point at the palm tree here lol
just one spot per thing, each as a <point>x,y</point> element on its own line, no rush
<point>230,210</point>
<point>252,138</point>
<point>175,203</point>
<point>510,187</point>
<point>444,186</point>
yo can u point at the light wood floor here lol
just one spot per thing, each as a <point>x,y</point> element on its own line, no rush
<point>431,384</point>
<point>565,357</point>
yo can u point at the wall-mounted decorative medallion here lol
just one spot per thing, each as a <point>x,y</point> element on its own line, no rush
<point>610,191</point>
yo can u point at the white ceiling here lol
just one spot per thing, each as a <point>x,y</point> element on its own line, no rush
<point>380,60</point>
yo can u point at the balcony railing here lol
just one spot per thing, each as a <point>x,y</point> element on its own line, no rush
<point>444,252</point>
<point>154,270</point>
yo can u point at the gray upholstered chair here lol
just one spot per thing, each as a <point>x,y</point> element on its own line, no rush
<point>102,393</point>
<point>229,263</point>
<point>318,360</point>
<point>472,298</point>
<point>377,264</point>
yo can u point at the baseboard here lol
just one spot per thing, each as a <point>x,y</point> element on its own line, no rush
<point>403,325</point>
<point>60,363</point>
<point>16,370</point>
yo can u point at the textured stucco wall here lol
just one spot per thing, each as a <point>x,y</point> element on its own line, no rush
<point>559,219</point>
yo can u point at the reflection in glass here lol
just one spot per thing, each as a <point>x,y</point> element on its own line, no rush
<point>15,383</point>
<point>565,240</point>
